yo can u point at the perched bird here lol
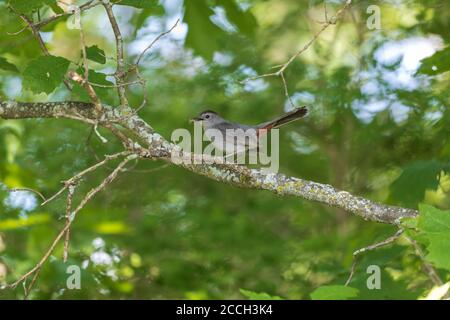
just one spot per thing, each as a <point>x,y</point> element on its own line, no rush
<point>233,137</point>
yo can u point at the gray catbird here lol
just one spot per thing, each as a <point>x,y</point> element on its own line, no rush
<point>226,135</point>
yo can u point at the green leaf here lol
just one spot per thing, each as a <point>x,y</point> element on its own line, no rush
<point>437,63</point>
<point>409,222</point>
<point>27,6</point>
<point>245,21</point>
<point>409,188</point>
<point>203,36</point>
<point>56,8</point>
<point>435,225</point>
<point>335,292</point>
<point>5,65</point>
<point>96,54</point>
<point>141,4</point>
<point>258,295</point>
<point>45,73</point>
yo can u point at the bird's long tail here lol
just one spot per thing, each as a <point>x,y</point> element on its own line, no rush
<point>293,115</point>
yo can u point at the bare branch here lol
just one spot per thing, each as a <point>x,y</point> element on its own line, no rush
<point>75,179</point>
<point>286,92</point>
<point>430,271</point>
<point>281,68</point>
<point>68,220</point>
<point>138,60</point>
<point>280,184</point>
<point>86,6</point>
<point>120,71</point>
<point>36,33</point>
<point>38,37</point>
<point>36,269</point>
<point>90,91</point>
<point>329,22</point>
<point>374,246</point>
<point>27,189</point>
<point>241,176</point>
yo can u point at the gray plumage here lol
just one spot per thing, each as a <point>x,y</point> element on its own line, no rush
<point>237,137</point>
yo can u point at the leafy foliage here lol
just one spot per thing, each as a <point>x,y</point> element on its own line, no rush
<point>379,127</point>
<point>434,226</point>
<point>96,54</point>
<point>141,4</point>
<point>102,87</point>
<point>258,296</point>
<point>243,20</point>
<point>203,35</point>
<point>25,6</point>
<point>437,63</point>
<point>416,178</point>
<point>5,65</point>
<point>45,73</point>
<point>334,293</point>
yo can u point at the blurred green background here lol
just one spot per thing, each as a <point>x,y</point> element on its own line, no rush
<point>379,127</point>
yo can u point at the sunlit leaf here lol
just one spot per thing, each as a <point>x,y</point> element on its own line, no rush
<point>438,292</point>
<point>26,6</point>
<point>111,227</point>
<point>435,224</point>
<point>437,63</point>
<point>45,73</point>
<point>409,188</point>
<point>5,65</point>
<point>203,36</point>
<point>96,54</point>
<point>141,4</point>
<point>334,292</point>
<point>243,20</point>
<point>258,295</point>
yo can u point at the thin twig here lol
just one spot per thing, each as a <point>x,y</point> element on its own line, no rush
<point>62,232</point>
<point>36,33</point>
<point>28,189</point>
<point>114,85</point>
<point>138,60</point>
<point>86,6</point>
<point>120,70</point>
<point>102,139</point>
<point>80,175</point>
<point>430,271</point>
<point>38,36</point>
<point>281,68</point>
<point>17,32</point>
<point>286,92</point>
<point>73,75</point>
<point>374,246</point>
<point>329,22</point>
<point>68,219</point>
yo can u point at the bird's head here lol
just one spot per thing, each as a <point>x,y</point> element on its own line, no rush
<point>208,116</point>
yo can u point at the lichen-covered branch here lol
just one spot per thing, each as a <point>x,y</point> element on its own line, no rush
<point>67,109</point>
<point>158,147</point>
<point>290,186</point>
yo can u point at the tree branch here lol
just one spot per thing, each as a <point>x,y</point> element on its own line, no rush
<point>120,73</point>
<point>237,175</point>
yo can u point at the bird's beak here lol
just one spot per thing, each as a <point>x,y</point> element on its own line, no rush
<point>195,119</point>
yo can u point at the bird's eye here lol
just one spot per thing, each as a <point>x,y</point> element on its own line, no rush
<point>207,116</point>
